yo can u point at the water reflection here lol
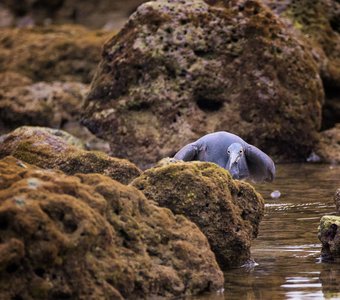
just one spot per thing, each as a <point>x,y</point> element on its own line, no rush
<point>287,249</point>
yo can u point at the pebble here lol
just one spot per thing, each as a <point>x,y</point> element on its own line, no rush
<point>275,194</point>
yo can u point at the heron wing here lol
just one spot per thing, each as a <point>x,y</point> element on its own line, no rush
<point>261,166</point>
<point>187,153</point>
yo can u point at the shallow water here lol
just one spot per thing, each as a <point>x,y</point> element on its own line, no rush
<point>287,249</point>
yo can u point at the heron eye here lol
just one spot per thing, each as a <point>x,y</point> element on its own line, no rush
<point>241,151</point>
<point>228,151</point>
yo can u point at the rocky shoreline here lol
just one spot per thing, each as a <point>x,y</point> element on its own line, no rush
<point>85,114</point>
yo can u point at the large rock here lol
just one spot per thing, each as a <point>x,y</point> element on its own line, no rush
<point>227,211</point>
<point>319,22</point>
<point>55,149</point>
<point>330,237</point>
<point>53,53</point>
<point>180,69</point>
<point>89,237</point>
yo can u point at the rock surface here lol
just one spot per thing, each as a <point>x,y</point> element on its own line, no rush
<point>55,149</point>
<point>319,22</point>
<point>329,235</point>
<point>337,200</point>
<point>180,69</point>
<point>43,104</point>
<point>52,53</point>
<point>227,211</point>
<point>89,237</point>
<point>95,14</point>
<point>329,146</point>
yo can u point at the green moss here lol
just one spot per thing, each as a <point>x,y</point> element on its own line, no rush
<point>327,221</point>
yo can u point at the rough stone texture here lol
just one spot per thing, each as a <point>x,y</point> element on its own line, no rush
<point>90,13</point>
<point>319,22</point>
<point>89,237</point>
<point>337,200</point>
<point>329,147</point>
<point>227,211</point>
<point>6,17</point>
<point>180,69</point>
<point>330,237</point>
<point>43,104</point>
<point>63,53</point>
<point>54,149</point>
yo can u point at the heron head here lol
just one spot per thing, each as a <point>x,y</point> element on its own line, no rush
<point>237,164</point>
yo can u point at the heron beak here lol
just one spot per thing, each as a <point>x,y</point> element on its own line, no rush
<point>233,159</point>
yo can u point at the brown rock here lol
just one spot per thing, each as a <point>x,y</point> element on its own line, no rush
<point>89,237</point>
<point>227,211</point>
<point>181,69</point>
<point>329,235</point>
<point>43,104</point>
<point>55,149</point>
<point>337,200</point>
<point>90,13</point>
<point>329,146</point>
<point>319,22</point>
<point>53,53</point>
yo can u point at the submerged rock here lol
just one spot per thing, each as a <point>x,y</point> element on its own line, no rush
<point>330,237</point>
<point>227,211</point>
<point>52,53</point>
<point>180,69</point>
<point>55,149</point>
<point>90,237</point>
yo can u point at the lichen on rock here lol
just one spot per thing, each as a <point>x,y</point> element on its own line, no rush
<point>180,69</point>
<point>90,237</point>
<point>55,149</point>
<point>227,211</point>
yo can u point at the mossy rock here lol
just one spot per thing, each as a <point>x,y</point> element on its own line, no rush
<point>181,69</point>
<point>55,149</point>
<point>90,237</point>
<point>51,53</point>
<point>227,211</point>
<point>330,237</point>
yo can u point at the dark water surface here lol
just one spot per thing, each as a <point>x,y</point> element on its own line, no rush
<point>287,249</point>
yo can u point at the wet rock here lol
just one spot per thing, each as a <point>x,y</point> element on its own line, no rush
<point>55,149</point>
<point>180,69</point>
<point>319,22</point>
<point>6,17</point>
<point>329,147</point>
<point>329,237</point>
<point>43,104</point>
<point>337,200</point>
<point>89,237</point>
<point>52,53</point>
<point>227,211</point>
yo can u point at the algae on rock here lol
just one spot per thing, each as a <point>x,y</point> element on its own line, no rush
<point>55,149</point>
<point>227,211</point>
<point>90,237</point>
<point>180,69</point>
